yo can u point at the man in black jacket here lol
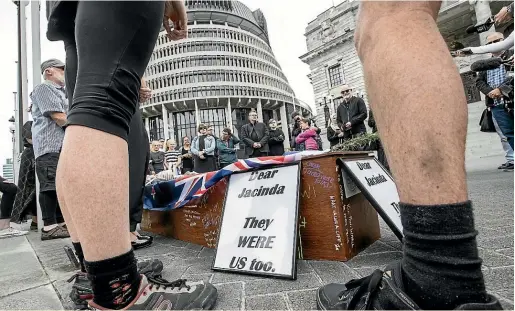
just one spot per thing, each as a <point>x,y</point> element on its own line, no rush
<point>351,114</point>
<point>255,137</point>
<point>488,82</point>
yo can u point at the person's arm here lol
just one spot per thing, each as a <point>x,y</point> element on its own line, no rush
<point>235,140</point>
<point>264,140</point>
<point>50,103</point>
<point>193,149</point>
<point>362,113</point>
<point>371,120</point>
<point>481,83</point>
<point>280,138</point>
<point>222,148</point>
<point>331,134</point>
<point>339,120</point>
<point>494,47</point>
<point>212,146</point>
<point>244,137</point>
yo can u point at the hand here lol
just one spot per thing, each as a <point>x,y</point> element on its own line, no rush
<point>258,145</point>
<point>255,145</point>
<point>464,52</point>
<point>175,11</point>
<point>144,94</point>
<point>496,93</point>
<point>502,16</point>
<point>348,125</point>
<point>340,135</point>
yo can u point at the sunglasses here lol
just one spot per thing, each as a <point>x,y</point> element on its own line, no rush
<point>495,41</point>
<point>346,92</point>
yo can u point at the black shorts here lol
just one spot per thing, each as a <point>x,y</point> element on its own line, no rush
<point>113,41</point>
<point>46,168</point>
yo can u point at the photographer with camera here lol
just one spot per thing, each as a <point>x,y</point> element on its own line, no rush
<point>493,83</point>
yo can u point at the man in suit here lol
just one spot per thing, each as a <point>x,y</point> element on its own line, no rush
<point>255,137</point>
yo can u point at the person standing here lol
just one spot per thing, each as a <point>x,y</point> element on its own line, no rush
<point>216,154</point>
<point>49,108</point>
<point>488,83</point>
<point>171,155</point>
<point>203,149</point>
<point>227,147</point>
<point>307,139</point>
<point>186,158</point>
<point>351,114</point>
<point>296,116</point>
<point>334,132</point>
<point>157,158</point>
<point>255,137</point>
<point>8,190</point>
<point>276,139</point>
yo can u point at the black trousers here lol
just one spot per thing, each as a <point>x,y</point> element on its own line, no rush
<point>8,194</point>
<point>46,168</point>
<point>104,90</point>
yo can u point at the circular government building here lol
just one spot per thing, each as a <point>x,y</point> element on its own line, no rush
<point>224,69</point>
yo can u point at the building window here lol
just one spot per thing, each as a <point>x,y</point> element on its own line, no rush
<point>214,118</point>
<point>184,125</point>
<point>337,102</point>
<point>335,75</point>
<point>156,128</point>
<point>239,118</point>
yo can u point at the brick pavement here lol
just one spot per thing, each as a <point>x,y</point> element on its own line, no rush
<point>31,270</point>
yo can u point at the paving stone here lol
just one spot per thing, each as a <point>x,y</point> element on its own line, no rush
<point>269,285</point>
<point>302,300</point>
<point>303,267</point>
<point>207,252</point>
<point>363,272</point>
<point>229,296</point>
<point>32,299</point>
<point>19,267</point>
<point>226,277</point>
<point>506,294</point>
<point>494,259</point>
<point>63,289</point>
<point>496,242</point>
<point>378,247</point>
<point>333,271</point>
<point>499,278</point>
<point>374,260</point>
<point>206,277</point>
<point>506,304</point>
<point>163,249</point>
<point>267,302</point>
<point>506,251</point>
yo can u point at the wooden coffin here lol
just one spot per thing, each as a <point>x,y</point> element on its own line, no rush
<point>331,226</point>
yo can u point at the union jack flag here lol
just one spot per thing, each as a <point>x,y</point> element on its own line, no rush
<point>173,194</point>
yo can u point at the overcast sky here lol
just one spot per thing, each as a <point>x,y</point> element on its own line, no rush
<point>287,20</point>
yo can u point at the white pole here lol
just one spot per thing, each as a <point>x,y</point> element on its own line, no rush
<point>24,79</point>
<point>36,76</point>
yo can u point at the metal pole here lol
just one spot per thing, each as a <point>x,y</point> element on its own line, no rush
<point>24,68</point>
<point>36,77</point>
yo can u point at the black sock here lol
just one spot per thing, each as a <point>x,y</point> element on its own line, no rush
<point>80,256</point>
<point>115,281</point>
<point>441,266</point>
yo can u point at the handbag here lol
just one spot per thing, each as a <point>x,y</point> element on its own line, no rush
<point>486,122</point>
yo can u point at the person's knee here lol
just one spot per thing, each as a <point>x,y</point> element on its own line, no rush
<point>377,19</point>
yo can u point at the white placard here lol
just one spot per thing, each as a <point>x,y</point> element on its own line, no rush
<point>349,186</point>
<point>258,233</point>
<point>379,188</point>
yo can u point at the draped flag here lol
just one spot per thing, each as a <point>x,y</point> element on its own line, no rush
<point>169,195</point>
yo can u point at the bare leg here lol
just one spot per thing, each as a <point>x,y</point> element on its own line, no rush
<point>418,99</point>
<point>97,203</point>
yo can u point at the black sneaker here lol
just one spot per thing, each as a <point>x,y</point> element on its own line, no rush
<point>159,294</point>
<point>506,166</point>
<point>82,291</point>
<point>380,291</point>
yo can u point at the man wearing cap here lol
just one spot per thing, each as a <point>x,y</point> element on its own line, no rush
<point>488,83</point>
<point>49,107</point>
<point>351,114</point>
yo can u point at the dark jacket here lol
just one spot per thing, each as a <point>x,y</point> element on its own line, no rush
<point>276,142</point>
<point>372,121</point>
<point>262,134</point>
<point>355,112</point>
<point>332,137</point>
<point>226,152</point>
<point>482,83</point>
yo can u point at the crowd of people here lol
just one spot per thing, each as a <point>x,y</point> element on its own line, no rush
<point>97,117</point>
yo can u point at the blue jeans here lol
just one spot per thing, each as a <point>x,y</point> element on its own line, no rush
<point>504,142</point>
<point>505,122</point>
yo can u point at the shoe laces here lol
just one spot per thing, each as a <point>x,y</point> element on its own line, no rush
<point>366,287</point>
<point>76,276</point>
<point>159,282</point>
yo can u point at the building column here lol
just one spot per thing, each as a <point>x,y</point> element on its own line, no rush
<point>228,114</point>
<point>171,129</point>
<point>197,114</point>
<point>284,125</point>
<point>259,111</point>
<point>483,11</point>
<point>165,121</point>
<point>147,127</point>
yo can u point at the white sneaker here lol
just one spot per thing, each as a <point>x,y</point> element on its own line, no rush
<point>11,232</point>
